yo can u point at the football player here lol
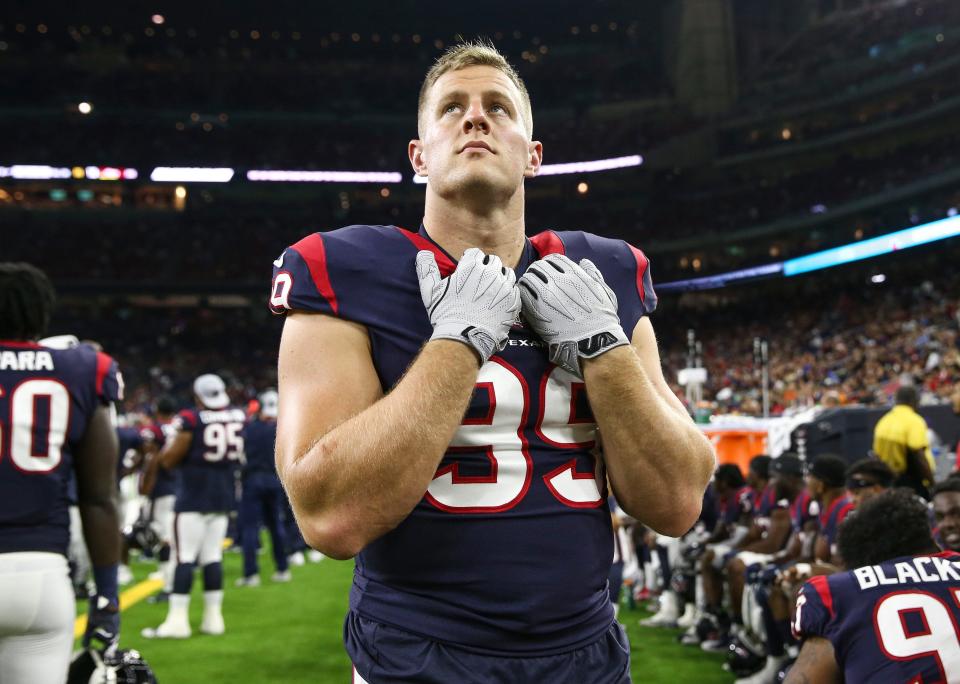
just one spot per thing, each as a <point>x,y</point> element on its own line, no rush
<point>262,502</point>
<point>55,417</point>
<point>946,513</point>
<point>866,478</point>
<point>159,484</point>
<point>774,537</point>
<point>448,441</point>
<point>893,616</point>
<point>206,448</point>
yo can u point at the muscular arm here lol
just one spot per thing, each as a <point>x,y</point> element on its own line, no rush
<point>355,462</point>
<point>791,551</point>
<point>96,467</point>
<point>151,462</point>
<point>754,534</point>
<point>658,461</point>
<point>175,450</point>
<point>817,664</point>
<point>780,528</point>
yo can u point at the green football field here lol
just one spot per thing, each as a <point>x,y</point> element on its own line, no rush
<point>291,633</point>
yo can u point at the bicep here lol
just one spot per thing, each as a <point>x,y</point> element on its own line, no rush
<point>780,525</point>
<point>644,343</point>
<point>817,664</point>
<point>325,376</point>
<point>177,449</point>
<point>96,459</point>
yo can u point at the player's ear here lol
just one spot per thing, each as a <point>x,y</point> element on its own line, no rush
<point>534,158</point>
<point>417,160</point>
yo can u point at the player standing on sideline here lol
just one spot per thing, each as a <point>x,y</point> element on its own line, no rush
<point>451,446</point>
<point>263,500</point>
<point>894,616</point>
<point>206,448</point>
<point>159,485</point>
<point>55,416</point>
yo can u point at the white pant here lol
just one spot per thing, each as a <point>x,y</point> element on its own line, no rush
<point>78,546</point>
<point>199,537</point>
<point>37,611</point>
<point>130,501</point>
<point>161,517</point>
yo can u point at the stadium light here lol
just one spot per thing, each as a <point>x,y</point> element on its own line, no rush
<point>577,167</point>
<point>34,172</point>
<point>713,282</point>
<point>191,174</point>
<point>591,166</point>
<point>278,176</point>
<point>855,251</point>
<point>878,246</point>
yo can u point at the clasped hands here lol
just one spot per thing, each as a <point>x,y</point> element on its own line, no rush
<point>567,304</point>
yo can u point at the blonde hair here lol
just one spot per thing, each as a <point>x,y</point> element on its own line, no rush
<point>475,53</point>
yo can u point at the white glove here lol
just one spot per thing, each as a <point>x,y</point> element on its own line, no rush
<point>571,308</point>
<point>476,304</point>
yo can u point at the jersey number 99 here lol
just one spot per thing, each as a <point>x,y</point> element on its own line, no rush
<point>501,436</point>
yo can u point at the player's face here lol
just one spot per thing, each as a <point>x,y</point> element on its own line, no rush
<point>474,137</point>
<point>786,486</point>
<point>861,495</point>
<point>946,511</point>
<point>814,486</point>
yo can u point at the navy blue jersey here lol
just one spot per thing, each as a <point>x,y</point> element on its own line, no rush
<point>165,483</point>
<point>737,506</point>
<point>767,501</point>
<point>892,622</point>
<point>510,547</point>
<point>709,507</point>
<point>259,440</point>
<point>47,398</point>
<point>207,481</point>
<point>803,511</point>
<point>832,517</point>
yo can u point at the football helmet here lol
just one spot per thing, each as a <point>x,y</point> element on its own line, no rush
<point>125,667</point>
<point>143,536</point>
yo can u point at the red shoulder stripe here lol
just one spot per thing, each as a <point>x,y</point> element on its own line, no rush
<point>25,344</point>
<point>444,262</point>
<point>103,365</point>
<point>844,512</point>
<point>548,242</point>
<point>189,417</point>
<point>314,254</point>
<point>823,589</point>
<point>642,264</point>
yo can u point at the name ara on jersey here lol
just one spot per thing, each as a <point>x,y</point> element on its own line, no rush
<point>909,572</point>
<point>26,361</point>
<point>223,416</point>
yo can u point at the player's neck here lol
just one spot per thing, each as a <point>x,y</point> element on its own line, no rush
<point>831,495</point>
<point>457,228</point>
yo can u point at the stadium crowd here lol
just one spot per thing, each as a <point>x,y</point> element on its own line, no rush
<point>872,338</point>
